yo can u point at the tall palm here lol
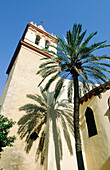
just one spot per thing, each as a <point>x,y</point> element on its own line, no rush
<point>36,124</point>
<point>76,62</point>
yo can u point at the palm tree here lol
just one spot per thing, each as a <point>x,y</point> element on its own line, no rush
<point>36,124</point>
<point>76,62</point>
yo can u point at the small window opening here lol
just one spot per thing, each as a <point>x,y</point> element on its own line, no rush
<point>37,40</point>
<point>90,122</point>
<point>34,136</point>
<point>46,44</point>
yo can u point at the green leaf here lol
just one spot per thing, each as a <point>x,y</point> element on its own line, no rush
<point>58,87</point>
<point>70,91</point>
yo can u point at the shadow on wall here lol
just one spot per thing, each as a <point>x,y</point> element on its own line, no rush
<point>106,166</point>
<point>35,125</point>
<point>108,111</point>
<point>13,161</point>
<point>108,114</point>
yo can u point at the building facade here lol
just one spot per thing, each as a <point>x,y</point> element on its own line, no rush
<point>22,80</point>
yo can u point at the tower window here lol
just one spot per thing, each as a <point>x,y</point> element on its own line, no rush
<point>37,40</point>
<point>46,44</point>
<point>90,122</point>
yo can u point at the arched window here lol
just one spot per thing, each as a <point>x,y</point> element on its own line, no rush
<point>37,40</point>
<point>46,44</point>
<point>90,122</point>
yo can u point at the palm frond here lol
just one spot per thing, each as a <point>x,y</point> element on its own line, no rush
<point>37,98</point>
<point>66,135</point>
<point>68,36</point>
<point>46,63</point>
<point>50,81</point>
<point>70,91</point>
<point>104,57</point>
<point>32,108</point>
<point>45,69</point>
<point>67,114</point>
<point>79,29</point>
<point>40,146</point>
<point>45,73</point>
<point>58,87</point>
<point>97,71</point>
<point>44,94</point>
<point>36,123</point>
<point>62,46</point>
<point>41,81</point>
<point>80,38</point>
<point>86,41</point>
<point>47,142</point>
<point>85,82</point>
<point>45,58</point>
<point>100,64</point>
<point>98,78</point>
<point>56,136</point>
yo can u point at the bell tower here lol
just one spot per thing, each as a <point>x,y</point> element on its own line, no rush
<point>25,62</point>
<point>22,80</point>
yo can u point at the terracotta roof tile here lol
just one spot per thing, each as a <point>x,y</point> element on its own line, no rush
<point>94,92</point>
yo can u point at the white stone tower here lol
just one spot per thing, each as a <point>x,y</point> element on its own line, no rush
<point>22,80</point>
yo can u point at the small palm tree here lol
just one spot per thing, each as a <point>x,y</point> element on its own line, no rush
<point>36,124</point>
<point>76,62</point>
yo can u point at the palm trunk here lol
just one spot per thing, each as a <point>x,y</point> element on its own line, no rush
<point>76,124</point>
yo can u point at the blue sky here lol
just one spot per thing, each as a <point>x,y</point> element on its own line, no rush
<point>58,16</point>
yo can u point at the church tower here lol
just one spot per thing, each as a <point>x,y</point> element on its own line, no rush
<point>26,59</point>
<point>22,80</point>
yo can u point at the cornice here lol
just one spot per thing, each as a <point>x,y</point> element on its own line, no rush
<point>34,48</point>
<point>95,92</point>
<point>22,42</point>
<point>41,31</point>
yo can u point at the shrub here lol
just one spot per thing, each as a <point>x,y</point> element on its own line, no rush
<point>5,125</point>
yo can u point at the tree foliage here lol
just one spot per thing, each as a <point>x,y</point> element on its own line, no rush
<point>75,61</point>
<point>75,56</point>
<point>5,125</point>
